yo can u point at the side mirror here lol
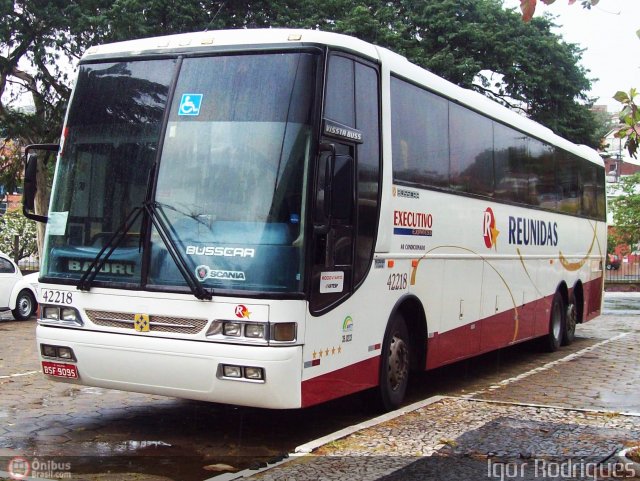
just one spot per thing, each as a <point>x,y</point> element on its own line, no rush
<point>31,180</point>
<point>30,183</point>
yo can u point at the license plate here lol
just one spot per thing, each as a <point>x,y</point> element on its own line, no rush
<point>59,369</point>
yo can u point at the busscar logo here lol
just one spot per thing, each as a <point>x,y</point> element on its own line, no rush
<point>220,251</point>
<point>489,229</point>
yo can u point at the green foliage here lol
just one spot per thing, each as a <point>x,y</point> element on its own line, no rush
<point>626,211</point>
<point>630,120</point>
<point>10,165</point>
<point>456,39</point>
<point>14,223</point>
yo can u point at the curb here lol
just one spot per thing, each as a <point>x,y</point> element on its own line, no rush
<point>307,448</point>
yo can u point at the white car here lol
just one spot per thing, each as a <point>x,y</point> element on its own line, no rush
<point>18,293</point>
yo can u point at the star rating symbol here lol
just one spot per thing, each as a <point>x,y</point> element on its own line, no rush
<point>326,352</point>
<point>494,237</point>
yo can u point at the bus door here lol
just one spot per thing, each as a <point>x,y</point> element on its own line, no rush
<point>347,185</point>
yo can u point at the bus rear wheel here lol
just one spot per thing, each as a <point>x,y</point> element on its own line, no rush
<point>395,364</point>
<point>556,324</point>
<point>570,322</point>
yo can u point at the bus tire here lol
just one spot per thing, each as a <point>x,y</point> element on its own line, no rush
<point>570,322</point>
<point>553,339</point>
<point>395,364</point>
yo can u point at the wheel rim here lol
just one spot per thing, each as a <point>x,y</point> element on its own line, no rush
<point>24,306</point>
<point>398,363</point>
<point>556,322</point>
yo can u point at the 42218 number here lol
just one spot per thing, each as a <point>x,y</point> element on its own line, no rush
<point>397,282</point>
<point>57,297</point>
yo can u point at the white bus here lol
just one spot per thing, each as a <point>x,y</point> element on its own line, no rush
<point>277,218</point>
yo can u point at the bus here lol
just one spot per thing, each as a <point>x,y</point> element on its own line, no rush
<point>277,218</point>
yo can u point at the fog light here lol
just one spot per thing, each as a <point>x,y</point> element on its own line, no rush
<point>65,353</point>
<point>284,331</point>
<point>255,373</point>
<point>231,371</point>
<point>48,351</point>
<point>232,329</point>
<point>254,330</point>
<point>52,313</point>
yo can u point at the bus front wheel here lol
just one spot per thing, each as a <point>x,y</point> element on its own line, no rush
<point>556,324</point>
<point>395,364</point>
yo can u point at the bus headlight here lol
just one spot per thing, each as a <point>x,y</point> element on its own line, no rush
<point>69,314</point>
<point>243,332</point>
<point>254,330</point>
<point>232,329</point>
<point>64,316</point>
<point>51,313</point>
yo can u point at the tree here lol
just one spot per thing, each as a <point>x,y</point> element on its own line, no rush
<point>457,39</point>
<point>629,116</point>
<point>10,165</point>
<point>14,223</point>
<point>626,211</point>
<point>630,120</point>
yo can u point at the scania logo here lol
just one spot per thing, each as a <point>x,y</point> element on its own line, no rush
<point>489,229</point>
<point>205,272</point>
<point>202,272</point>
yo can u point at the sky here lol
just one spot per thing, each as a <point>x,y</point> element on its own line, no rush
<point>607,32</point>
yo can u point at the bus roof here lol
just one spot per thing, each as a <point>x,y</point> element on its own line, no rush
<point>397,64</point>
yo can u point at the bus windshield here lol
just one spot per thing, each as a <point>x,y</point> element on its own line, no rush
<point>231,176</point>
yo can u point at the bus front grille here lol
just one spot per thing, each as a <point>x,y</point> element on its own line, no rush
<point>125,320</point>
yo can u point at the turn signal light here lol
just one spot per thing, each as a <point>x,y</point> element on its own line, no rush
<point>284,332</point>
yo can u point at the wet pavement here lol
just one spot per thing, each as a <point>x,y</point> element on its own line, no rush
<point>115,435</point>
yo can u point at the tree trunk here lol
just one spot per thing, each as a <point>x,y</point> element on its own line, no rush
<point>42,198</point>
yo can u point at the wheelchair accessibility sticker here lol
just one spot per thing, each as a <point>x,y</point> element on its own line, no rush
<point>190,104</point>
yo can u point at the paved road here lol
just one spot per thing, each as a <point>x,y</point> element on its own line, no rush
<point>145,437</point>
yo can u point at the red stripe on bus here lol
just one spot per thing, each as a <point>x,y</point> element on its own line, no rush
<point>488,334</point>
<point>348,380</point>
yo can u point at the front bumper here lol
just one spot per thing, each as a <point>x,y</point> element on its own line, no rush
<point>180,368</point>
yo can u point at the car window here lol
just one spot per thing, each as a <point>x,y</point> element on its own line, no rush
<point>6,267</point>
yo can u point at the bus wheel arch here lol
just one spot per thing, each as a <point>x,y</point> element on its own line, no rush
<point>415,319</point>
<point>403,350</point>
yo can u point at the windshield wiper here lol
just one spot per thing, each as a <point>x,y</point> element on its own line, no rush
<point>84,284</point>
<point>116,239</point>
<point>153,211</point>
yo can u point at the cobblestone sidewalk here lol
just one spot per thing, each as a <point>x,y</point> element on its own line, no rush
<point>564,420</point>
<point>462,439</point>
